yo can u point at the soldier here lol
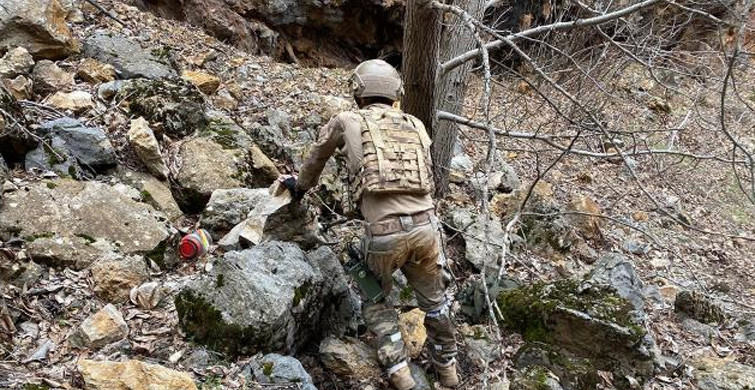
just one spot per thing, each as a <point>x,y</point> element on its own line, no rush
<point>390,175</point>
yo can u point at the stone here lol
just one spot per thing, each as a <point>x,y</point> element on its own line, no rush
<point>721,374</point>
<point>699,329</point>
<point>412,327</point>
<point>264,298</point>
<point>17,272</point>
<point>76,252</point>
<point>635,247</point>
<point>148,295</point>
<point>16,62</point>
<point>110,89</point>
<point>115,275</point>
<point>535,378</point>
<point>206,166</point>
<point>49,78</point>
<point>143,141</point>
<point>349,358</point>
<point>76,101</point>
<point>480,349</point>
<point>132,375</point>
<point>271,141</point>
<point>699,306</point>
<point>89,146</point>
<point>275,368</point>
<point>500,181</point>
<point>21,87</point>
<point>586,319</point>
<point>617,271</point>
<point>746,332</point>
<point>176,104</point>
<point>263,169</point>
<point>95,72</point>
<point>37,25</point>
<point>100,329</point>
<point>85,215</point>
<point>153,192</point>
<point>572,372</point>
<point>479,232</point>
<point>205,82</point>
<point>229,207</point>
<point>128,57</point>
<point>588,225</point>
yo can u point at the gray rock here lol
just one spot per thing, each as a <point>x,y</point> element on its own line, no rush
<point>422,382</point>
<point>636,248</point>
<point>342,311</point>
<point>76,252</point>
<point>617,271</point>
<point>573,372</point>
<point>15,62</point>
<point>535,378</point>
<point>102,328</point>
<point>462,163</point>
<point>229,207</point>
<point>110,89</point>
<point>37,25</point>
<point>746,332</point>
<point>49,78</point>
<point>721,374</point>
<point>275,368</point>
<point>88,145</point>
<point>265,298</point>
<point>698,328</point>
<point>54,156</point>
<point>198,360</point>
<point>76,217</point>
<point>503,181</point>
<point>699,306</point>
<point>128,57</point>
<point>18,273</point>
<point>483,238</point>
<point>206,167</point>
<point>481,350</point>
<point>271,141</point>
<point>153,192</point>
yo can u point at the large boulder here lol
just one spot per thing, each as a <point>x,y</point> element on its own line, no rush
<point>84,215</point>
<point>132,375</point>
<point>16,62</point>
<point>587,319</point>
<point>128,57</point>
<point>261,299</point>
<point>205,167</point>
<point>176,104</point>
<point>37,25</point>
<point>72,147</point>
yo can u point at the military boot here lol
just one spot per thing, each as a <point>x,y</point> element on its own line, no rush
<point>402,379</point>
<point>447,374</point>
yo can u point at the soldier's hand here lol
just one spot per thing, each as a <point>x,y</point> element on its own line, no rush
<point>289,181</point>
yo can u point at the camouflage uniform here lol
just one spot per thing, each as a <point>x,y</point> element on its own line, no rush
<point>413,248</point>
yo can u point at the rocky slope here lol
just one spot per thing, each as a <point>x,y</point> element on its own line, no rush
<point>119,136</point>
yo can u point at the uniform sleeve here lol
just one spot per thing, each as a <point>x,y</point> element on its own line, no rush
<point>331,138</point>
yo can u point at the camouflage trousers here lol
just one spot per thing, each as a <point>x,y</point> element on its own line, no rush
<point>417,253</point>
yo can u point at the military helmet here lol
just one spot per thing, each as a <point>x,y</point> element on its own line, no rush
<point>376,78</point>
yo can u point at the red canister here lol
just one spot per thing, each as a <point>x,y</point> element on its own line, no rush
<point>195,244</point>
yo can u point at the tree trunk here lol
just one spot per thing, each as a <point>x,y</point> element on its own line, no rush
<point>420,60</point>
<point>451,88</point>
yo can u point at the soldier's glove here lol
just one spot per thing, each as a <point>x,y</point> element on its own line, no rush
<point>290,184</point>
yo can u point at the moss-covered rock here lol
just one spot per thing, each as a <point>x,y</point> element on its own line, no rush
<point>698,306</point>
<point>176,104</point>
<point>535,378</point>
<point>588,320</point>
<point>573,372</point>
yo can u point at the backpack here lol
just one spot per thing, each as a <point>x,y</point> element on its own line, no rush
<point>396,155</point>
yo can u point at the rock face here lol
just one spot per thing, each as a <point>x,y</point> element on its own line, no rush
<point>37,25</point>
<point>721,374</point>
<point>75,147</point>
<point>129,59</point>
<point>143,141</point>
<point>16,62</point>
<point>132,375</point>
<point>49,78</point>
<point>206,167</point>
<point>114,276</point>
<point>176,104</point>
<point>349,358</point>
<point>84,214</point>
<point>275,368</point>
<point>102,328</point>
<point>264,298</point>
<point>587,319</point>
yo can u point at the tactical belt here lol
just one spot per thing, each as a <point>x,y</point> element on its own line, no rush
<point>399,223</point>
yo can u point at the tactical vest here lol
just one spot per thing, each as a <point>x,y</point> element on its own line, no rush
<point>396,155</point>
